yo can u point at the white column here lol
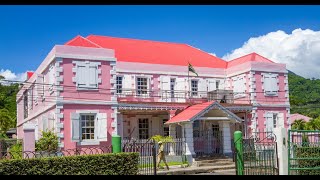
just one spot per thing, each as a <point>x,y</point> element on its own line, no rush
<point>281,138</point>
<point>226,137</point>
<point>188,136</point>
<point>120,124</point>
<point>172,133</point>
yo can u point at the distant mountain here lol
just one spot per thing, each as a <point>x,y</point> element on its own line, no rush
<point>304,95</point>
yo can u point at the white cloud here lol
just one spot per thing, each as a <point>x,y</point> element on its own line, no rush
<point>300,50</point>
<point>213,54</point>
<point>9,75</point>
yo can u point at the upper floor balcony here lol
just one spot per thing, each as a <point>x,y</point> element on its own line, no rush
<point>144,95</point>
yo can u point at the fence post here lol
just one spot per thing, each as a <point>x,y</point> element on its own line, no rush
<point>281,140</point>
<point>116,144</point>
<point>238,150</point>
<point>154,157</point>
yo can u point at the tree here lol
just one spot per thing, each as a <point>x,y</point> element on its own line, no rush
<point>313,124</point>
<point>163,139</point>
<point>5,121</point>
<point>299,124</point>
<point>48,142</point>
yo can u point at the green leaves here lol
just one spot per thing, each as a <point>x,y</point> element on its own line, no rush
<point>48,142</point>
<point>100,164</point>
<point>164,139</point>
<point>300,124</point>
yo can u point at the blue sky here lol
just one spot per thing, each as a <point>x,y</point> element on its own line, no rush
<point>28,33</point>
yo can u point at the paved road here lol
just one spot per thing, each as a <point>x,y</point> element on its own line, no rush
<point>220,172</point>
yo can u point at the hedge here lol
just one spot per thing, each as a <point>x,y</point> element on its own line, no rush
<point>100,164</point>
<point>313,160</point>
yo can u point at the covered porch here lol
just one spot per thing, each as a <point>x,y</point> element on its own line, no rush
<point>208,128</point>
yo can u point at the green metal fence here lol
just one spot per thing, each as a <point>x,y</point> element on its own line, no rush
<point>258,154</point>
<point>303,152</point>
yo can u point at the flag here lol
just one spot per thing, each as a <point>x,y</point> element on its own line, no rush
<point>192,69</point>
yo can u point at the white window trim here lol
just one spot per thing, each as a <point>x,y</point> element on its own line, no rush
<point>122,85</point>
<point>198,82</point>
<point>86,63</point>
<point>94,141</point>
<point>265,122</point>
<point>267,93</point>
<point>148,86</point>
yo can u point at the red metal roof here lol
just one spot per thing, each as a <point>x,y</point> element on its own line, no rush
<point>189,112</point>
<point>156,52</point>
<point>145,51</point>
<point>249,57</point>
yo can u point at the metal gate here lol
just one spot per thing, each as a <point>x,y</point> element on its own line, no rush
<point>259,155</point>
<point>303,152</point>
<point>207,143</point>
<point>147,154</point>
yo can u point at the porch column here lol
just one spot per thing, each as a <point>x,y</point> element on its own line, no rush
<point>226,137</point>
<point>188,136</point>
<point>173,134</point>
<point>120,124</point>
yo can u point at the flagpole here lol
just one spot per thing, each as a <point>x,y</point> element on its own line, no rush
<point>188,82</point>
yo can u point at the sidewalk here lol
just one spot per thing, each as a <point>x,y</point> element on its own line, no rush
<point>178,170</point>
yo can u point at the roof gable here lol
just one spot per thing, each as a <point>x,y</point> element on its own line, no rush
<point>249,57</point>
<point>193,112</point>
<point>81,41</point>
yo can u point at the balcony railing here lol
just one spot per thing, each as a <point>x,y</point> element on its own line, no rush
<point>176,95</point>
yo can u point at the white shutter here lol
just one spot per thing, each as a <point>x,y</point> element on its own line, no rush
<point>280,120</point>
<point>44,123</point>
<point>127,84</point>
<point>211,84</point>
<point>165,87</point>
<point>202,88</point>
<point>102,132</point>
<point>274,84</point>
<point>75,126</point>
<point>82,76</point>
<point>267,84</point>
<point>36,130</point>
<point>40,85</point>
<point>180,89</point>
<point>269,121</point>
<point>93,77</point>
<point>51,122</point>
<point>51,79</point>
<point>36,86</point>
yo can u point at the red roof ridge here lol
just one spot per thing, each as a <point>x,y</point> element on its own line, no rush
<point>206,52</point>
<point>91,35</point>
<point>241,56</point>
<point>83,38</point>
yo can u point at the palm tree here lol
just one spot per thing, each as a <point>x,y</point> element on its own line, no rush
<point>313,124</point>
<point>299,124</point>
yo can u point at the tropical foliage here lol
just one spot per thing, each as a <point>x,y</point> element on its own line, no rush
<point>163,139</point>
<point>313,124</point>
<point>304,95</point>
<point>7,107</point>
<point>48,142</point>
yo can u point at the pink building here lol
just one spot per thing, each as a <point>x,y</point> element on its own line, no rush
<point>92,88</point>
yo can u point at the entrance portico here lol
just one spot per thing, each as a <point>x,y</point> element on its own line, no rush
<point>206,129</point>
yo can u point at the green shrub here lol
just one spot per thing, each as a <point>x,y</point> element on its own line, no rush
<point>311,160</point>
<point>99,164</point>
<point>48,142</point>
<point>15,151</point>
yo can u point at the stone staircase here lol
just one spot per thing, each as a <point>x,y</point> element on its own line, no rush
<point>203,165</point>
<point>215,162</point>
